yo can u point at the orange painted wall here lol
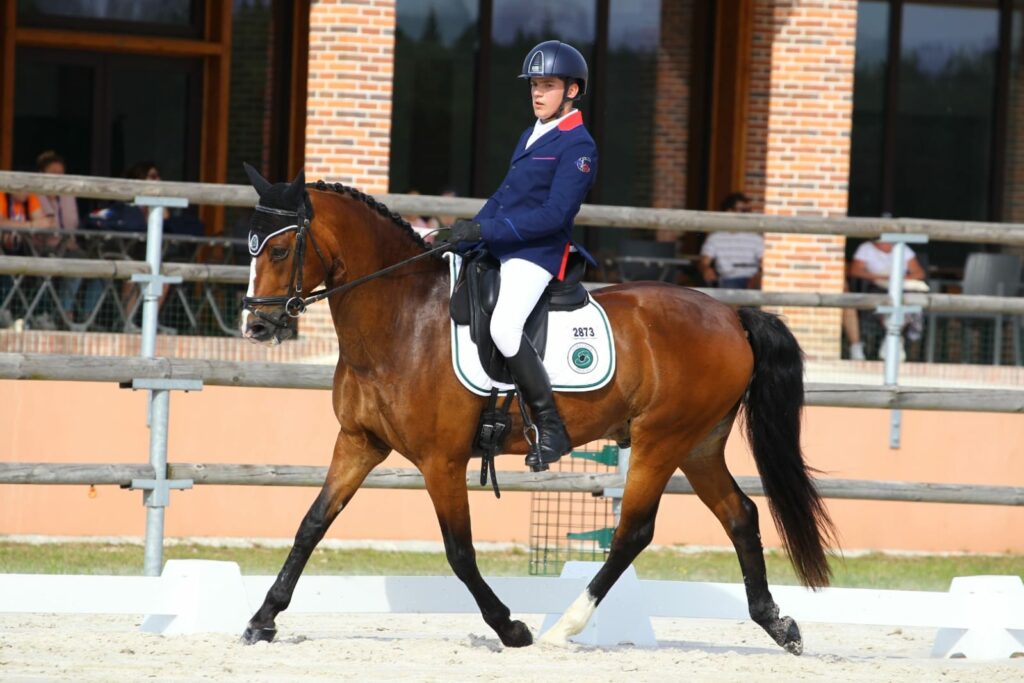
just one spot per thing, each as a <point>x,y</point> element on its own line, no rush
<point>85,422</point>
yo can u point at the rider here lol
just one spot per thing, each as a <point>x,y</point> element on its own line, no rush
<point>527,223</point>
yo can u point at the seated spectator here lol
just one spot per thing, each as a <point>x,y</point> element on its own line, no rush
<point>130,293</point>
<point>64,212</point>
<point>20,211</point>
<point>872,265</point>
<point>732,260</point>
<point>62,209</point>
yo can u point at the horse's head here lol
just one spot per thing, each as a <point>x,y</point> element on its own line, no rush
<point>283,270</point>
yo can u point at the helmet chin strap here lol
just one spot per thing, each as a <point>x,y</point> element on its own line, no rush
<point>561,107</point>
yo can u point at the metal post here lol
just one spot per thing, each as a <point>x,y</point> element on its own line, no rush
<point>896,313</point>
<point>153,555</point>
<point>156,494</point>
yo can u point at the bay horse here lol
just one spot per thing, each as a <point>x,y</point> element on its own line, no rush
<point>685,365</point>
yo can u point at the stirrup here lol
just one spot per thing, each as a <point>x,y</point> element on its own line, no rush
<point>534,460</point>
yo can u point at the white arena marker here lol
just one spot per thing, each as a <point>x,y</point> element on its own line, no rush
<point>991,604</point>
<point>621,617</point>
<point>202,596</point>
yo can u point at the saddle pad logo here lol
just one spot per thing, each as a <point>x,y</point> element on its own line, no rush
<point>582,358</point>
<point>583,163</point>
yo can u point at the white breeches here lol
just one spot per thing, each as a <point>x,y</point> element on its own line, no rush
<point>522,284</point>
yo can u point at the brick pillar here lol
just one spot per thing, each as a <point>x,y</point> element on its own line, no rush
<point>348,107</point>
<point>672,106</point>
<point>798,148</point>
<point>351,64</point>
<point>1013,181</point>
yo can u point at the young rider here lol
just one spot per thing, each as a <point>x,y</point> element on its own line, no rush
<point>527,223</point>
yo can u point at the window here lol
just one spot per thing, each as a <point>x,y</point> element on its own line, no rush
<point>628,99</point>
<point>518,25</point>
<point>104,113</point>
<point>925,129</point>
<point>870,67</point>
<point>432,119</point>
<point>157,17</point>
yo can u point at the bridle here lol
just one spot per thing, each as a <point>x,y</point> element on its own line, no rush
<point>293,304</point>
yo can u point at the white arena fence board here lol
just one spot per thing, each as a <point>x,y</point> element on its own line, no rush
<point>206,596</point>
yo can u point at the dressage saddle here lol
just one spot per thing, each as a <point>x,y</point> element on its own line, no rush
<point>476,293</point>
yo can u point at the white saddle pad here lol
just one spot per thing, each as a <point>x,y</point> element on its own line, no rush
<point>579,356</point>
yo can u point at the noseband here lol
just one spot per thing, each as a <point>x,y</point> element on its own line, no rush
<point>294,304</point>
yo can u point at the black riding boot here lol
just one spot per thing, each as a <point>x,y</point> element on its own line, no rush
<point>535,390</point>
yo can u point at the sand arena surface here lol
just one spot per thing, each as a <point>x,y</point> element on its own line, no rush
<point>461,647</point>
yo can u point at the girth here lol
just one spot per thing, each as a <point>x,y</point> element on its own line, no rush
<point>476,293</point>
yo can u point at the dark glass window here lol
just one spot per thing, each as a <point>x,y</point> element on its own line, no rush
<point>866,173</point>
<point>54,110</point>
<point>924,130</point>
<point>945,110</point>
<point>105,113</point>
<point>174,17</point>
<point>627,97</point>
<point>432,119</point>
<point>518,25</point>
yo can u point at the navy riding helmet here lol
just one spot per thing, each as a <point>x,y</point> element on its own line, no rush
<point>555,58</point>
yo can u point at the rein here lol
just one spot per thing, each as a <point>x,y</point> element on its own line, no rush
<point>294,303</point>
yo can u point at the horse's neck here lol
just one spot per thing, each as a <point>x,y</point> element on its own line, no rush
<point>376,320</point>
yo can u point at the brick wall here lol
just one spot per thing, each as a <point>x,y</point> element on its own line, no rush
<point>798,147</point>
<point>351,62</point>
<point>308,348</point>
<point>1013,182</point>
<point>672,106</point>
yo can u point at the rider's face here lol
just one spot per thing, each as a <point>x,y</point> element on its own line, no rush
<point>546,95</point>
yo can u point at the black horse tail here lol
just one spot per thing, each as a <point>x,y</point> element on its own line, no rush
<point>773,404</point>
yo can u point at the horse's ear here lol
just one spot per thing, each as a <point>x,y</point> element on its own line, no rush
<point>293,195</point>
<point>260,183</point>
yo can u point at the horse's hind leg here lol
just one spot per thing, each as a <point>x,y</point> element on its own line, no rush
<point>353,459</point>
<point>446,484</point>
<point>715,486</point>
<point>644,486</point>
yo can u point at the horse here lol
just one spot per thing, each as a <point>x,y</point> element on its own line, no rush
<point>686,365</point>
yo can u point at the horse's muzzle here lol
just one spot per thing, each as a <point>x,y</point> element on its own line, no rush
<point>265,332</point>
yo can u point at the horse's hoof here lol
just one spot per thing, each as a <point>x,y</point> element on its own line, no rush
<point>787,634</point>
<point>517,635</point>
<point>255,635</point>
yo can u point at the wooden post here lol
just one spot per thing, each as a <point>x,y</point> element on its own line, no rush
<point>8,19</point>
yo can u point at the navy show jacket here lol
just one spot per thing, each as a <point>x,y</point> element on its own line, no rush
<point>531,215</point>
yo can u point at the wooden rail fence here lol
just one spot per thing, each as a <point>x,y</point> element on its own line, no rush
<point>406,478</point>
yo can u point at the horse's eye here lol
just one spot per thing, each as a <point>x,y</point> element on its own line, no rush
<point>278,253</point>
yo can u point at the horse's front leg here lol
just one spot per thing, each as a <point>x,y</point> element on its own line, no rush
<point>634,532</point>
<point>353,459</point>
<point>446,484</point>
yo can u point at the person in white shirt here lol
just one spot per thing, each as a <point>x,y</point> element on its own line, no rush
<point>872,262</point>
<point>732,260</point>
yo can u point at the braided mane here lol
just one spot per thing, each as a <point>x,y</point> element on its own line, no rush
<point>374,205</point>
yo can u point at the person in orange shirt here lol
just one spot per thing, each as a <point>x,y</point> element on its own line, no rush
<point>21,211</point>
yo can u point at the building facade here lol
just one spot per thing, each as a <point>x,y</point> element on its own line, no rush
<point>813,107</point>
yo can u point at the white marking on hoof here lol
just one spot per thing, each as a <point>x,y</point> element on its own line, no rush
<point>573,621</point>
